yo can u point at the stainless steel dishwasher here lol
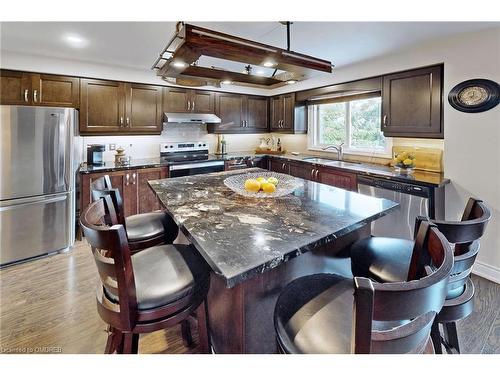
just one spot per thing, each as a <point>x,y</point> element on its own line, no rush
<point>414,200</point>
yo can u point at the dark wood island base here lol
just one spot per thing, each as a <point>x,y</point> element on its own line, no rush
<point>241,317</point>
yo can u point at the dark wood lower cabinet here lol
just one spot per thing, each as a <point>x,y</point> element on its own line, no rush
<point>340,179</point>
<point>146,198</point>
<point>311,172</point>
<point>133,186</point>
<point>279,166</point>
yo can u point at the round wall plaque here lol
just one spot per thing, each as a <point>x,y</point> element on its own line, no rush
<point>475,95</point>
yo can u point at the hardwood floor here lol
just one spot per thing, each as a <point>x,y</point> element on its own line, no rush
<point>48,305</point>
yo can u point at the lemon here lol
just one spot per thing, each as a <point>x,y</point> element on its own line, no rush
<point>252,185</point>
<point>261,179</point>
<point>268,188</point>
<point>273,180</point>
<point>407,162</point>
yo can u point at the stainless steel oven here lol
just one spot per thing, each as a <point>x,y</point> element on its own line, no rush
<point>188,158</point>
<point>199,167</point>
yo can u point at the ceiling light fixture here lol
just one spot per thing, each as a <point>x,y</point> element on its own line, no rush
<point>226,82</point>
<point>75,41</point>
<point>179,64</point>
<point>291,81</point>
<point>260,72</point>
<point>269,64</point>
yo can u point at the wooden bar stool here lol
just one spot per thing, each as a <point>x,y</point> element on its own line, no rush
<point>319,314</point>
<point>143,230</point>
<point>388,260</point>
<point>153,289</point>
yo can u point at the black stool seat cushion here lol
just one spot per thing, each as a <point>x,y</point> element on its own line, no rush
<point>143,227</point>
<point>165,274</point>
<point>381,259</point>
<point>314,315</point>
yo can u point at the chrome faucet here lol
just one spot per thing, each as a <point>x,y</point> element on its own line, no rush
<point>339,149</point>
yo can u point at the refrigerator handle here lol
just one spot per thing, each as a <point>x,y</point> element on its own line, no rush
<point>38,201</point>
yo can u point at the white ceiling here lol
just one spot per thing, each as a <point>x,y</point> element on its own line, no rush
<point>137,44</point>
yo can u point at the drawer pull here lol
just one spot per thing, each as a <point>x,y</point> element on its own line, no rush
<point>26,92</point>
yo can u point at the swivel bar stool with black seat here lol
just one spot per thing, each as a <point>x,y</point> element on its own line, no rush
<point>388,260</point>
<point>143,230</point>
<point>319,314</point>
<point>150,290</point>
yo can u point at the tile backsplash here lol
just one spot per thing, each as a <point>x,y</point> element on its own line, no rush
<point>147,146</point>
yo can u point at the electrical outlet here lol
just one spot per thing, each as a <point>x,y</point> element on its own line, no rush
<point>112,146</point>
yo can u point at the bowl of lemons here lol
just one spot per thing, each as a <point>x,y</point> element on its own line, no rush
<point>404,162</point>
<point>263,184</point>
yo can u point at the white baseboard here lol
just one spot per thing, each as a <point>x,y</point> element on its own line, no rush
<point>488,272</point>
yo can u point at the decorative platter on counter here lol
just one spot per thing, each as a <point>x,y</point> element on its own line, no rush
<point>285,185</point>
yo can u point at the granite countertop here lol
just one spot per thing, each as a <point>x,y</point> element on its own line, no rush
<point>419,177</point>
<point>240,237</point>
<point>110,166</point>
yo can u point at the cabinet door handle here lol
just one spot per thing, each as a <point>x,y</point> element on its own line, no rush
<point>189,105</point>
<point>35,99</point>
<point>384,121</point>
<point>312,173</point>
<point>127,179</point>
<point>283,166</point>
<point>121,121</point>
<point>128,121</point>
<point>26,92</point>
<point>316,174</point>
<point>192,106</point>
<point>133,179</point>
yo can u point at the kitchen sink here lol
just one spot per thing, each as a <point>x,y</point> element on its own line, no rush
<point>333,163</point>
<point>341,163</point>
<point>313,159</point>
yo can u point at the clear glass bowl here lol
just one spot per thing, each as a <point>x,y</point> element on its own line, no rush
<point>286,184</point>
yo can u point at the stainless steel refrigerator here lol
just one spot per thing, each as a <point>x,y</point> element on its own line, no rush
<point>37,184</point>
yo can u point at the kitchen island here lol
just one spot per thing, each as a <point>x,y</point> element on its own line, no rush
<point>256,246</point>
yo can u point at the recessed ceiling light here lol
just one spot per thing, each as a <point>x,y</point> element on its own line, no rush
<point>269,64</point>
<point>291,81</point>
<point>260,72</point>
<point>75,41</point>
<point>179,64</point>
<point>226,82</point>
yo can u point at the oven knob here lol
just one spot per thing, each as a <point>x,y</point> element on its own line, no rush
<point>171,146</point>
<point>199,144</point>
<point>204,144</point>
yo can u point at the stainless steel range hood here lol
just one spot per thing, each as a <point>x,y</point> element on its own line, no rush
<point>191,118</point>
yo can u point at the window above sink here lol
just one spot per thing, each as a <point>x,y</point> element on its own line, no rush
<point>354,121</point>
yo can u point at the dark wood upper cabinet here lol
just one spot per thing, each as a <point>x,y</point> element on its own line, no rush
<point>276,113</point>
<point>257,113</point>
<point>288,111</point>
<point>21,88</point>
<point>143,108</point>
<point>55,91</point>
<point>202,101</point>
<point>176,99</point>
<point>119,108</point>
<point>412,103</point>
<point>286,117</point>
<point>15,88</point>
<point>188,100</point>
<point>229,107</point>
<point>102,106</point>
<point>240,114</point>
